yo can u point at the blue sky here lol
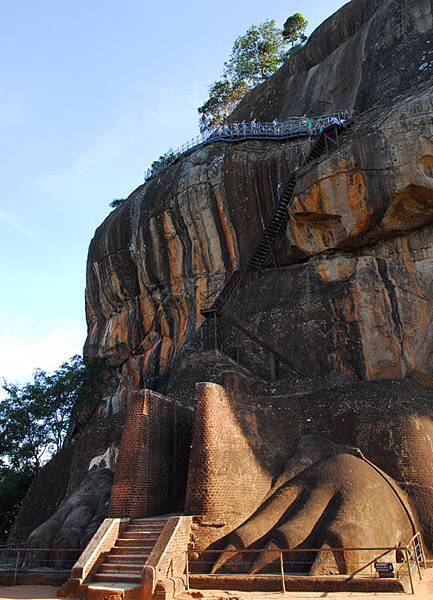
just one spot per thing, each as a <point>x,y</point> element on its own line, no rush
<point>91,91</point>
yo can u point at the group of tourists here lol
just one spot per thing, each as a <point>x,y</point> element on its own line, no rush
<point>290,127</point>
<point>294,127</point>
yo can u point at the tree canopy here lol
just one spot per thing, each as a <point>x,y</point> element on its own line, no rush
<point>116,202</point>
<point>35,421</point>
<point>255,56</point>
<point>294,29</point>
<point>224,95</point>
<point>13,487</point>
<point>35,417</point>
<point>163,160</point>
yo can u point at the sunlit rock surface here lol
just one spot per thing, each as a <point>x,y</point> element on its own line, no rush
<point>345,297</point>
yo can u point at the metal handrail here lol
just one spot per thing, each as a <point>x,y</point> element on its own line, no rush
<point>33,549</point>
<point>307,550</point>
<point>412,559</point>
<point>26,555</point>
<point>234,132</point>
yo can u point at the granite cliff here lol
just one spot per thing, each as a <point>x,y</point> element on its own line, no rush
<point>154,262</point>
<point>345,296</point>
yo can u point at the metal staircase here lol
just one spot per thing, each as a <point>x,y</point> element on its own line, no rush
<point>274,228</point>
<point>327,139</point>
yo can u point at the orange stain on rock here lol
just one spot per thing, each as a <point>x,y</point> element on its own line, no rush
<point>175,254</point>
<point>338,269</point>
<point>165,354</point>
<point>230,239</point>
<point>356,189</point>
<point>148,310</point>
<point>330,210</point>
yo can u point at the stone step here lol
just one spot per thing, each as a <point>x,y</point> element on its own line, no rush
<point>103,590</point>
<point>150,519</point>
<point>118,577</point>
<point>146,523</point>
<point>139,533</point>
<point>145,526</point>
<point>138,559</point>
<point>131,549</point>
<point>121,567</point>
<point>136,541</point>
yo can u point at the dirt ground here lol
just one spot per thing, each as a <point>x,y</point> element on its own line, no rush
<point>423,591</point>
<point>28,592</point>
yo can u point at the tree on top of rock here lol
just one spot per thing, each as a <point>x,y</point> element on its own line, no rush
<point>223,98</point>
<point>255,56</point>
<point>294,29</point>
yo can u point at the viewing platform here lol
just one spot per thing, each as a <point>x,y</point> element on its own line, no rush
<point>293,127</point>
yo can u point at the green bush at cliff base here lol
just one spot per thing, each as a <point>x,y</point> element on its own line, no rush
<point>38,418</point>
<point>13,487</point>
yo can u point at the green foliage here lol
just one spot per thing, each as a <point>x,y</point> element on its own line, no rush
<point>35,421</point>
<point>294,28</point>
<point>224,95</point>
<point>117,202</point>
<point>13,488</point>
<point>255,56</point>
<point>35,418</point>
<point>163,161</point>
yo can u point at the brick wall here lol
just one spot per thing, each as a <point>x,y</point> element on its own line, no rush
<point>151,464</point>
<point>224,476</point>
<point>243,440</point>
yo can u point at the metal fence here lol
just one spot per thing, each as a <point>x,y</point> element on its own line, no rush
<point>234,132</point>
<point>396,562</point>
<point>237,337</point>
<point>18,560</point>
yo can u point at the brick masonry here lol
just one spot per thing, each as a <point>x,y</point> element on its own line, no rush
<point>242,441</point>
<point>153,447</point>
<point>224,476</point>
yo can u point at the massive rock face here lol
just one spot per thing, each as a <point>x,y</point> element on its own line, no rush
<point>345,296</point>
<point>368,53</point>
<point>360,224</point>
<point>155,261</point>
<point>358,233</point>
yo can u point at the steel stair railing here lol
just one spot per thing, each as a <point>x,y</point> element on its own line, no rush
<point>274,229</point>
<point>329,137</point>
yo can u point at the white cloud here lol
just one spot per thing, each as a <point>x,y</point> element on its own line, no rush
<point>20,357</point>
<point>124,141</point>
<point>4,216</point>
<point>104,151</point>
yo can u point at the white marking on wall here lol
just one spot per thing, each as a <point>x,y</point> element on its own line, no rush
<point>106,460</point>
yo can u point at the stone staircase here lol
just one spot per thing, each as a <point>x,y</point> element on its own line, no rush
<point>122,567</point>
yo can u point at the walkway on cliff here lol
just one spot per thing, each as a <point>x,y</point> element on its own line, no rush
<point>294,127</point>
<point>328,139</point>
